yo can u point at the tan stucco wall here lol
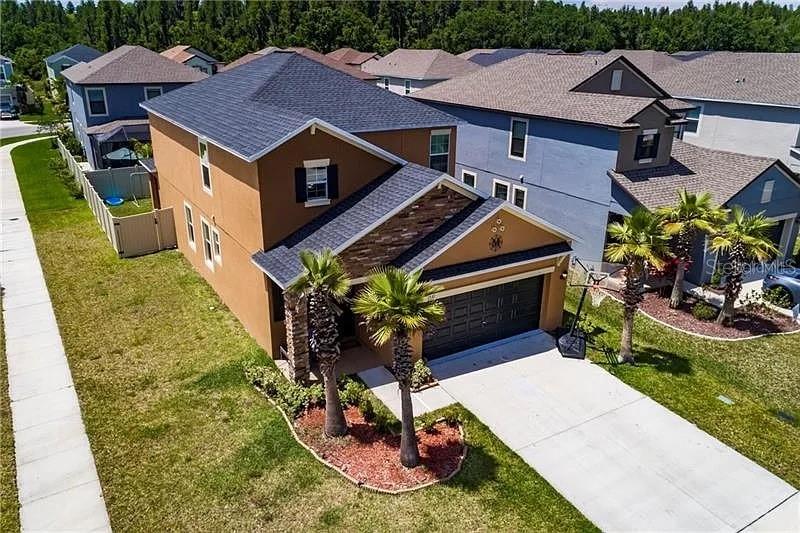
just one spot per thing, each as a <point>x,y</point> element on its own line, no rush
<point>412,145</point>
<point>518,235</point>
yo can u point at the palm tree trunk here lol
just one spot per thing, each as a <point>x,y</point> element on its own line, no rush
<point>631,296</point>
<point>324,340</point>
<point>335,424</point>
<point>626,343</point>
<point>676,298</point>
<point>733,286</point>
<point>409,453</point>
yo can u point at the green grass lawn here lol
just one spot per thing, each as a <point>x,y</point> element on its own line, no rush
<point>132,208</point>
<point>9,505</point>
<point>37,118</point>
<point>182,442</point>
<point>11,140</point>
<point>686,374</point>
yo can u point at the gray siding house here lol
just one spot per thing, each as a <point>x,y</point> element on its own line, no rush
<point>406,71</point>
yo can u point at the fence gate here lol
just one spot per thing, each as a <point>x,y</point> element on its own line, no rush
<point>145,233</point>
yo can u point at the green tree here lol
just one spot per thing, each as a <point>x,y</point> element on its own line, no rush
<point>395,304</point>
<point>324,282</point>
<point>639,242</point>
<point>742,239</point>
<point>692,215</point>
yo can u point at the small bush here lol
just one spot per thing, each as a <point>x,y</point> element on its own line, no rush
<point>421,375</point>
<point>373,410</point>
<point>350,391</point>
<point>778,297</point>
<point>292,397</point>
<point>704,311</point>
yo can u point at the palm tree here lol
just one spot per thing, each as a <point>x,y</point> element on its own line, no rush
<point>693,214</point>
<point>395,304</point>
<point>743,238</point>
<point>640,241</point>
<point>324,282</point>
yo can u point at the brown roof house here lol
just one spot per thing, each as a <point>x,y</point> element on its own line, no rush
<point>405,71</point>
<point>583,139</point>
<point>304,157</point>
<point>353,57</point>
<point>193,57</point>
<point>310,54</point>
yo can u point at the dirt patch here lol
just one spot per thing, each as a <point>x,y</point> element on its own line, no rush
<point>373,458</point>
<point>745,324</point>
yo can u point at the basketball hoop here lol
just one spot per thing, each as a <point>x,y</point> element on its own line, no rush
<point>597,294</point>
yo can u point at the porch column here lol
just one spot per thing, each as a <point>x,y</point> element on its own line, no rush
<point>297,336</point>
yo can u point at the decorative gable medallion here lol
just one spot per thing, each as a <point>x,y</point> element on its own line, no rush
<point>496,238</point>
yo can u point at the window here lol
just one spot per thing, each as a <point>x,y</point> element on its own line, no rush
<point>500,189</point>
<point>407,86</point>
<point>440,150</point>
<point>316,183</point>
<point>469,178</point>
<point>646,147</point>
<point>208,247</point>
<point>189,225</point>
<point>205,167</point>
<point>518,139</point>
<point>616,80</point>
<point>520,197</point>
<point>152,92</point>
<point>692,126</point>
<point>216,248</point>
<point>385,83</point>
<point>96,96</point>
<point>766,192</point>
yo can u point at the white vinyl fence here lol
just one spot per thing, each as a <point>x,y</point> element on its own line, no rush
<point>133,235</point>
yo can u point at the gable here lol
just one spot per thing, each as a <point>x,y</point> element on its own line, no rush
<point>784,199</point>
<point>505,227</point>
<point>633,82</point>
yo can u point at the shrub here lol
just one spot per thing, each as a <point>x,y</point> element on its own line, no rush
<point>350,391</point>
<point>778,297</point>
<point>292,397</point>
<point>704,311</point>
<point>421,375</point>
<point>373,410</point>
<point>716,276</point>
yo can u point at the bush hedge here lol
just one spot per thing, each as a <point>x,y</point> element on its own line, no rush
<point>704,311</point>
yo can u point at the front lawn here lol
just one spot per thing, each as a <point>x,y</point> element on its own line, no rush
<point>183,442</point>
<point>10,140</point>
<point>687,374</point>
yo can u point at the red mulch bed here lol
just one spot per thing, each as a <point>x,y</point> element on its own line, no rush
<point>373,458</point>
<point>745,325</point>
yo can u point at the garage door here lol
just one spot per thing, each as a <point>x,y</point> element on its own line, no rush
<point>485,315</point>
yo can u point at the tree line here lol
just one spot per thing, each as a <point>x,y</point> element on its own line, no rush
<point>32,30</point>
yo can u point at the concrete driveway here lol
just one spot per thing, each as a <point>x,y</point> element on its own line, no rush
<point>626,462</point>
<point>15,128</point>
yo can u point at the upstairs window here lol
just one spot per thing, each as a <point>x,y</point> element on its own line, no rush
<point>152,92</point>
<point>518,139</point>
<point>500,189</point>
<point>205,167</point>
<point>616,80</point>
<point>647,147</point>
<point>316,182</point>
<point>440,150</point>
<point>766,192</point>
<point>469,178</point>
<point>692,126</point>
<point>407,86</point>
<point>96,97</point>
<point>520,198</point>
<point>385,83</point>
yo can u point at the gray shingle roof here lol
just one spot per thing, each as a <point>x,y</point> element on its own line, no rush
<point>421,65</point>
<point>768,78</point>
<point>347,219</point>
<point>131,64</point>
<point>492,57</point>
<point>648,61</point>
<point>252,107</point>
<point>540,85</point>
<point>696,169</point>
<point>76,52</point>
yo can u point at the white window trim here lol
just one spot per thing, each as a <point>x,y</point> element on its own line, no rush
<point>89,105</point>
<point>385,83</point>
<point>217,255</point>
<point>618,80</point>
<point>407,87</point>
<point>191,238</point>
<point>205,162</point>
<point>209,261</point>
<point>516,188</point>
<point>511,138</point>
<point>783,245</point>
<point>495,181</point>
<point>766,191</point>
<point>313,164</point>
<point>474,175</point>
<point>687,133</point>
<point>440,132</point>
<point>160,91</point>
<point>647,159</point>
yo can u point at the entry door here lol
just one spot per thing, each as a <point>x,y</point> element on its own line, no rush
<point>485,315</point>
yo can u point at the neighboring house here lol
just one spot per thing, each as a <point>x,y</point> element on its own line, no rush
<point>104,96</point>
<point>310,54</point>
<point>192,57</point>
<point>745,102</point>
<point>302,156</point>
<point>406,71</point>
<point>490,56</point>
<point>754,183</point>
<point>77,53</point>
<point>354,58</point>
<point>6,69</point>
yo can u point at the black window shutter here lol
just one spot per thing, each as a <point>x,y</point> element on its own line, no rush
<point>300,192</point>
<point>333,181</point>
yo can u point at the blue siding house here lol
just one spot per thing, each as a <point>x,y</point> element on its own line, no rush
<point>104,97</point>
<point>63,59</point>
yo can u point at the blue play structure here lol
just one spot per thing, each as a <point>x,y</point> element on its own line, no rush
<point>114,201</point>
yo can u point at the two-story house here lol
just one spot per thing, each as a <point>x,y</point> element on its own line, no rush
<point>405,71</point>
<point>305,157</point>
<point>104,96</point>
<point>193,57</point>
<point>63,59</point>
<point>6,69</point>
<point>553,134</point>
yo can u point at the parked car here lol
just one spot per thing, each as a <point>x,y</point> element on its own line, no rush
<point>8,110</point>
<point>787,282</point>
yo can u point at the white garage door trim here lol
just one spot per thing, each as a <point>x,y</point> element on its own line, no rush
<point>493,282</point>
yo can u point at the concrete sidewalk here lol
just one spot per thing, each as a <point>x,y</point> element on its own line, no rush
<point>57,481</point>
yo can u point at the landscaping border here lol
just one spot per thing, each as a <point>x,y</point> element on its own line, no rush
<point>700,335</point>
<point>356,481</point>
